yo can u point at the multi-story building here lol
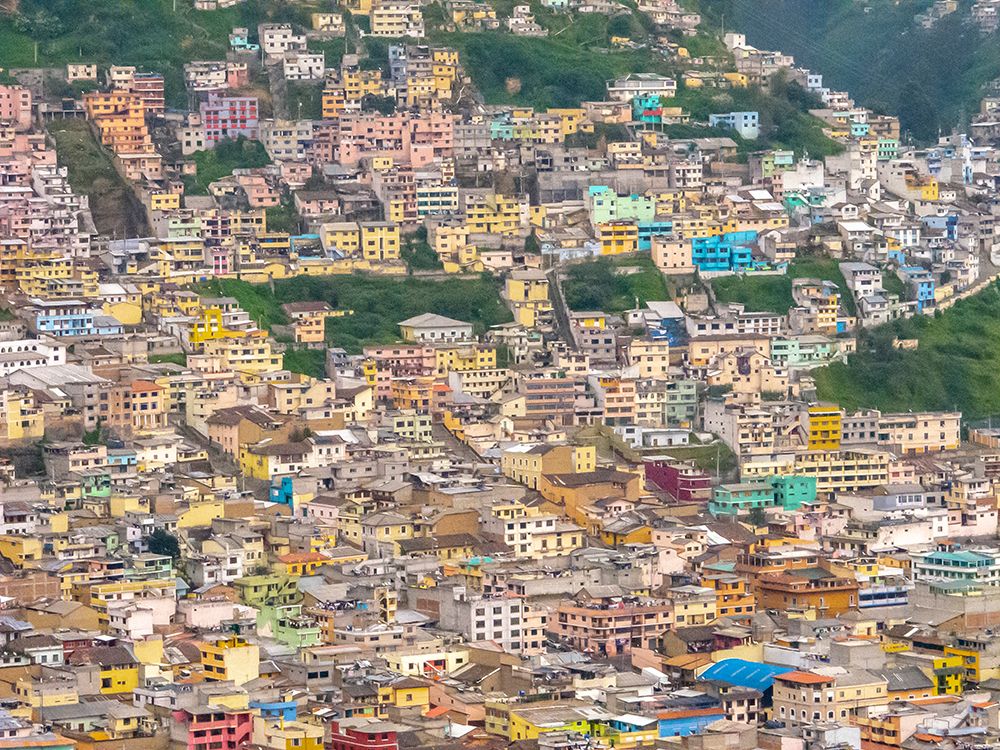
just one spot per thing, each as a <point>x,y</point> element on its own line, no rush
<point>607,629</point>
<point>228,117</point>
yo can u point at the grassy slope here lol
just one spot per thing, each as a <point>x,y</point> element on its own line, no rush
<point>957,364</point>
<point>598,285</point>
<point>378,303</point>
<point>177,358</point>
<point>115,208</point>
<point>774,293</point>
<point>552,72</point>
<point>307,361</point>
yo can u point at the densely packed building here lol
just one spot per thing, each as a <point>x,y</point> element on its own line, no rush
<point>582,528</point>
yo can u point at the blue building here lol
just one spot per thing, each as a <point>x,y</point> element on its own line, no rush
<point>73,318</point>
<point>947,223</point>
<point>122,460</point>
<point>286,710</point>
<point>742,673</point>
<point>726,252</point>
<point>747,124</point>
<point>282,491</point>
<point>684,721</point>
<point>650,229</point>
<point>859,129</point>
<point>920,285</point>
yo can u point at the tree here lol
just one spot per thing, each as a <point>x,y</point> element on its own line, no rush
<point>757,516</point>
<point>94,437</point>
<point>384,105</point>
<point>531,246</point>
<point>164,543</point>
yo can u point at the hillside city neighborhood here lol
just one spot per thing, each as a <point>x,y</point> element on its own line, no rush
<point>345,407</point>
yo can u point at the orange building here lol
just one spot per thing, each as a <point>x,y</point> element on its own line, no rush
<point>808,588</point>
<point>732,594</point>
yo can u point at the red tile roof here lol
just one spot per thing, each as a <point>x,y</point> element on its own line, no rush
<point>803,678</point>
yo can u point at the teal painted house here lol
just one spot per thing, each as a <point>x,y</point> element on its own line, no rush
<point>810,350</point>
<point>792,491</point>
<point>647,108</point>
<point>737,499</point>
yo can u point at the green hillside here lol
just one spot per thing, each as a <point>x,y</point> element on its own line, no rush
<point>570,65</point>
<point>930,78</point>
<point>378,302</point>
<point>150,33</point>
<point>956,366</point>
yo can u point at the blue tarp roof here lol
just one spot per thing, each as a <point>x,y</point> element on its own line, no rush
<point>750,674</point>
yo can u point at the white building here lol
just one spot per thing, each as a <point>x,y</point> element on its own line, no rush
<point>27,353</point>
<point>304,66</point>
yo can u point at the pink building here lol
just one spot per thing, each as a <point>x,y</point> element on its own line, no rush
<point>229,117</point>
<point>399,361</point>
<point>322,148</point>
<point>15,107</point>
<point>294,173</point>
<point>407,138</point>
<point>149,87</point>
<point>259,193</point>
<point>207,727</point>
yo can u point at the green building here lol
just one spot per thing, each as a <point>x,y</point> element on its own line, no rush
<point>273,589</point>
<point>792,491</point>
<point>736,499</point>
<point>606,205</point>
<point>287,624</point>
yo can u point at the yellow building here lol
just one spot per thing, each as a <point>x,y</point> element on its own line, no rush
<point>164,201</point>
<point>249,355</point>
<point>200,513</point>
<point>22,417</point>
<point>344,236</point>
<point>949,674</point>
<point>472,14</point>
<point>618,237</point>
<point>22,551</point>
<point>528,294</point>
<point>225,659</point>
<point>38,693</point>
<point>281,734</point>
<point>208,326</point>
<point>823,427</point>
<point>526,463</point>
<point>970,662</point>
<point>835,471</point>
<point>494,214</point>
<point>468,357</point>
<point>118,670</point>
<point>360,83</point>
<point>379,241</point>
<point>528,723</point>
